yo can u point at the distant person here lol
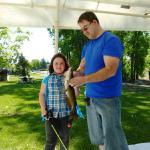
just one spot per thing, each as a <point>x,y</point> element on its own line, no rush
<point>53,103</point>
<point>25,79</point>
<point>100,70</point>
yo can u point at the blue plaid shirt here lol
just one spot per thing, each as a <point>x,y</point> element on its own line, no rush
<point>55,95</point>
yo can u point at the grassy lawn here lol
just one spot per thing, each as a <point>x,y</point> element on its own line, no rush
<point>21,127</point>
<point>136,113</point>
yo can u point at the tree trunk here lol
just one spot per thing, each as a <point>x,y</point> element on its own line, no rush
<point>149,74</point>
<point>132,68</point>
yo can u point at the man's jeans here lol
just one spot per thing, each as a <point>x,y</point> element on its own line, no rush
<point>104,123</point>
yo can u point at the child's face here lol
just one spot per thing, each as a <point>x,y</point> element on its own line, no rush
<point>59,65</point>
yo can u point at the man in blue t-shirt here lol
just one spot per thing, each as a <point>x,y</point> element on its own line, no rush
<point>100,70</point>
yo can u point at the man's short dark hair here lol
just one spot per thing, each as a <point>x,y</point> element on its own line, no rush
<point>89,16</point>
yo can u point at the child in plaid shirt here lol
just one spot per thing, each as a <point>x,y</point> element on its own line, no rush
<point>52,99</point>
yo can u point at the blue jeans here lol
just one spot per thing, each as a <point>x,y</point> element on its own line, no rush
<point>104,123</point>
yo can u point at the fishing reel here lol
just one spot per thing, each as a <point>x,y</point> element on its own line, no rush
<point>48,116</point>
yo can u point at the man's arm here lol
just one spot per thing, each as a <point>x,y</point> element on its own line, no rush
<point>111,66</point>
<point>77,73</point>
<point>80,69</point>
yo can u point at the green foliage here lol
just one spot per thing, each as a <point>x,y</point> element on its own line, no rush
<point>136,49</point>
<point>139,44</point>
<point>147,60</point>
<point>23,66</point>
<point>70,44</point>
<point>39,64</point>
<point>10,43</point>
<point>43,64</point>
<point>35,64</point>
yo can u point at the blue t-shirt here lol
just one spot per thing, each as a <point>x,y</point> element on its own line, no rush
<point>106,44</point>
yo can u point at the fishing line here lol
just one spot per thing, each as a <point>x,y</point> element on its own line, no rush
<point>58,137</point>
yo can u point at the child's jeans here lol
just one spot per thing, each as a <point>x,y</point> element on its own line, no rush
<point>60,124</point>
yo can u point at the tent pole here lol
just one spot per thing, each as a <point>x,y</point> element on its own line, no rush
<point>56,39</point>
<point>56,27</point>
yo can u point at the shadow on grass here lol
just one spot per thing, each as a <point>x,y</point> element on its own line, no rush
<point>27,110</point>
<point>30,118</point>
<point>24,125</point>
<point>28,91</point>
<point>79,134</point>
<point>135,113</point>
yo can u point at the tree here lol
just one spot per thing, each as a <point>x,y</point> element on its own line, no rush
<point>10,43</point>
<point>23,66</point>
<point>43,64</point>
<point>70,44</point>
<point>125,59</point>
<point>136,48</point>
<point>137,44</point>
<point>35,64</point>
<point>147,62</point>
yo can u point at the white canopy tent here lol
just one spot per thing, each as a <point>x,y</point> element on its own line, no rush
<point>131,15</point>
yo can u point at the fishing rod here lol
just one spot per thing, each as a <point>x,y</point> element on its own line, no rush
<point>47,117</point>
<point>58,136</point>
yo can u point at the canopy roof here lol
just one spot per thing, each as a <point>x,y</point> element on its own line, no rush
<point>133,15</point>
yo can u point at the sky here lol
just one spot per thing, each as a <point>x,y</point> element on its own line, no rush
<point>39,45</point>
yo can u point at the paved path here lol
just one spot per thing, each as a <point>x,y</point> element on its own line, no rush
<point>140,146</point>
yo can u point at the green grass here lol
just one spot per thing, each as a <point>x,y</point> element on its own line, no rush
<point>136,113</point>
<point>21,127</point>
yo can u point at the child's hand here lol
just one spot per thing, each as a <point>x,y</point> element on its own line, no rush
<point>44,112</point>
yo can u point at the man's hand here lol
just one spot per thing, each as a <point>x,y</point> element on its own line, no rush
<point>77,91</point>
<point>77,81</point>
<point>77,73</point>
